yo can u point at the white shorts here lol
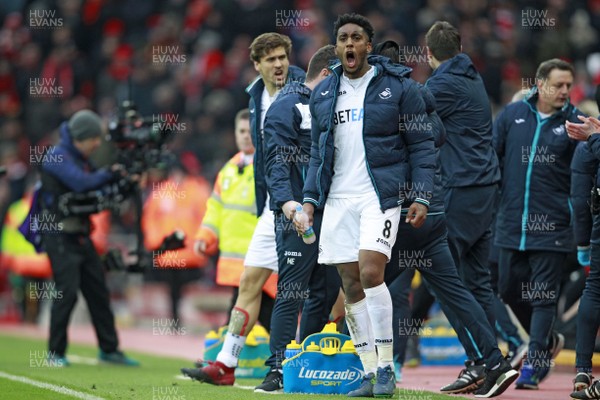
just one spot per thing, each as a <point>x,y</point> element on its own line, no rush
<point>353,224</point>
<point>262,251</point>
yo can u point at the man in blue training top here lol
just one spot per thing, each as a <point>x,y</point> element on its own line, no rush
<point>533,225</point>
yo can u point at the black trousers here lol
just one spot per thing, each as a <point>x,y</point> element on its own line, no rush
<point>302,284</point>
<point>76,266</point>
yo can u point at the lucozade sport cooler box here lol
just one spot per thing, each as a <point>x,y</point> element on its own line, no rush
<point>325,363</point>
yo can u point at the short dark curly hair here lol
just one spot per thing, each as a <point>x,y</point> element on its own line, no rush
<point>354,19</point>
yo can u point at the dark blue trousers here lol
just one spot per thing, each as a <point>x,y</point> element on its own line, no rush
<point>302,282</point>
<point>529,282</point>
<point>588,315</point>
<point>470,213</point>
<point>426,249</point>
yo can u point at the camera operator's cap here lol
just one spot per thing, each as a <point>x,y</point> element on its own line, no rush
<point>85,124</point>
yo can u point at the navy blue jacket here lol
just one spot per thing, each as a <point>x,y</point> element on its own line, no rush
<point>287,144</point>
<point>535,156</point>
<point>436,203</point>
<point>73,171</point>
<point>255,90</point>
<point>393,157</point>
<point>584,169</point>
<point>467,158</point>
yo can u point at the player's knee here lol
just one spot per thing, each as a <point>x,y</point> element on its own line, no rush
<point>371,275</point>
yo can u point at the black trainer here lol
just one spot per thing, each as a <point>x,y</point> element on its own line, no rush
<point>497,380</point>
<point>469,379</point>
<point>593,392</point>
<point>273,383</point>
<point>582,381</point>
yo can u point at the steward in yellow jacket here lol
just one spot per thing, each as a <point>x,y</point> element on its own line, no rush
<point>230,220</point>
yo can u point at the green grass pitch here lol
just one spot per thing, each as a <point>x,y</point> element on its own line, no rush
<point>157,378</point>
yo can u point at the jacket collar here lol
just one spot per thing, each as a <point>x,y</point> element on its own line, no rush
<point>531,100</point>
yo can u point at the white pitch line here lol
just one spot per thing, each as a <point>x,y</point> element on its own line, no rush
<point>49,386</point>
<point>82,360</point>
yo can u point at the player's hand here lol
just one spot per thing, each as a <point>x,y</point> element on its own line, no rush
<point>309,210</point>
<point>584,130</point>
<point>417,213</point>
<point>289,209</point>
<point>200,247</point>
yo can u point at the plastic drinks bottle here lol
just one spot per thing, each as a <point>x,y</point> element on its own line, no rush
<point>308,236</point>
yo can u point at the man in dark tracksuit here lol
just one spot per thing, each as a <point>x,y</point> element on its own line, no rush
<point>427,250</point>
<point>585,169</point>
<point>75,263</point>
<point>469,166</point>
<point>287,153</point>
<point>470,172</point>
<point>533,224</point>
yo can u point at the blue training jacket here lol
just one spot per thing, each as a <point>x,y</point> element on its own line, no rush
<point>287,144</point>
<point>467,158</point>
<point>255,90</point>
<point>73,171</point>
<point>584,169</point>
<point>535,156</point>
<point>396,150</point>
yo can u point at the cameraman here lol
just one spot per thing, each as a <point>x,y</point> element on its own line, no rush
<point>75,263</point>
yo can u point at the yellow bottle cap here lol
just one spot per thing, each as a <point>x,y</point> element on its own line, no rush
<point>313,347</point>
<point>212,335</point>
<point>331,327</point>
<point>348,347</point>
<point>293,345</point>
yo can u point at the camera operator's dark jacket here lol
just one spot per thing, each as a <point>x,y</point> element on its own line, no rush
<point>64,169</point>
<point>393,157</point>
<point>287,144</point>
<point>585,172</point>
<point>535,158</point>
<point>255,90</point>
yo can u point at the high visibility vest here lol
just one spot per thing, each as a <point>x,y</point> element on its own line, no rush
<point>175,205</point>
<point>230,220</point>
<point>20,256</point>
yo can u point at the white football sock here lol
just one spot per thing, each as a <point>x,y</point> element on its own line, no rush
<point>379,304</point>
<point>232,347</point>
<point>359,325</point>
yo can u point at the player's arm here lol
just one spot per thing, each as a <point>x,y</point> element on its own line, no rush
<point>311,192</point>
<point>444,94</point>
<point>207,237</point>
<point>282,124</point>
<point>584,167</point>
<point>421,151</point>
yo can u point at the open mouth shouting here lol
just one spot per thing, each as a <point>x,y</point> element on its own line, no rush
<point>350,59</point>
<point>279,75</point>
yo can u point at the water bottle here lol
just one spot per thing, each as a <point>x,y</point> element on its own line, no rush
<point>292,349</point>
<point>308,236</point>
